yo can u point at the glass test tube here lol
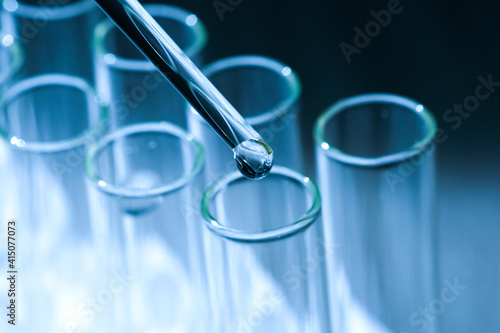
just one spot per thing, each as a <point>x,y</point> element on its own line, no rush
<point>266,93</point>
<point>147,176</point>
<point>54,34</point>
<point>375,160</point>
<point>265,254</point>
<point>137,91</point>
<point>47,122</point>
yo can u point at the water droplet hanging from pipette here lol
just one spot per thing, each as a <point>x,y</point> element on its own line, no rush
<point>253,156</point>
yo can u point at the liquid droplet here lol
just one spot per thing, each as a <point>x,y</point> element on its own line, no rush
<point>254,158</point>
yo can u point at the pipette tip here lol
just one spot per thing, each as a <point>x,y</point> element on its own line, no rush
<point>254,158</point>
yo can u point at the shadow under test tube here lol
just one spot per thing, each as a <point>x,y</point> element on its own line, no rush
<point>47,122</point>
<point>54,34</point>
<point>266,93</point>
<point>265,255</point>
<point>135,89</point>
<point>375,160</point>
<point>147,176</point>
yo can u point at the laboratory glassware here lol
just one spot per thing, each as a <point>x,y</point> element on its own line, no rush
<point>375,164</point>
<point>267,94</point>
<point>147,177</point>
<point>47,122</point>
<point>54,35</point>
<point>252,155</point>
<point>265,254</point>
<point>135,89</point>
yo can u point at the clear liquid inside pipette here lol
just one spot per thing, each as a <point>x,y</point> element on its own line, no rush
<point>252,155</point>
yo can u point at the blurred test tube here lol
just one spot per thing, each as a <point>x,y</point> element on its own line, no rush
<point>47,122</point>
<point>54,34</point>
<point>265,254</point>
<point>136,90</point>
<point>266,93</point>
<point>147,177</point>
<point>375,160</point>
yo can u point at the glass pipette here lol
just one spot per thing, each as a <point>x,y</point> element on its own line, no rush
<point>253,156</point>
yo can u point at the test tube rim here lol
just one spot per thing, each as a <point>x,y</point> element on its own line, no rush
<point>169,187</point>
<point>308,218</point>
<point>418,147</point>
<point>62,12</point>
<point>165,11</point>
<point>17,55</point>
<point>273,65</point>
<point>55,79</point>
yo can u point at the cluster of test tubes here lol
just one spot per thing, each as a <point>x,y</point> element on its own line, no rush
<point>132,215</point>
